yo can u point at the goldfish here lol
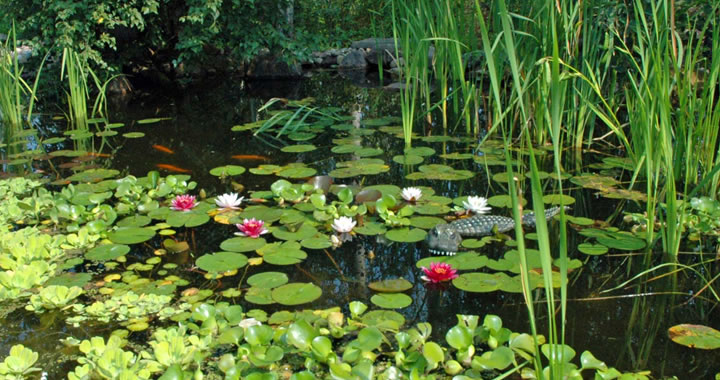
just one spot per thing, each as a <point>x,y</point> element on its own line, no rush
<point>163,149</point>
<point>250,157</point>
<point>101,155</point>
<point>173,168</point>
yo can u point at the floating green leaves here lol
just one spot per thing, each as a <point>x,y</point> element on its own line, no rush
<point>107,252</point>
<point>478,282</point>
<point>408,159</point>
<point>227,170</point>
<point>242,244</point>
<point>406,235</point>
<point>131,235</point>
<point>440,172</point>
<point>219,262</point>
<point>395,285</point>
<point>296,172</point>
<point>592,249</point>
<point>695,336</point>
<point>286,253</point>
<point>300,148</point>
<point>267,280</point>
<point>365,166</point>
<point>391,300</point>
<point>296,293</point>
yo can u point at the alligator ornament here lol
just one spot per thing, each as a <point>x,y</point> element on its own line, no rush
<point>445,239</point>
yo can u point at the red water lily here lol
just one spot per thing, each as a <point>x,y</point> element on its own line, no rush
<point>251,228</point>
<point>183,203</point>
<point>439,272</point>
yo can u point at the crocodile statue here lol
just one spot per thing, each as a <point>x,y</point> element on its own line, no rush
<point>445,239</point>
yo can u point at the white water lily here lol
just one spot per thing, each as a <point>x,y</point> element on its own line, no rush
<point>411,194</point>
<point>343,224</point>
<point>478,205</point>
<point>229,200</point>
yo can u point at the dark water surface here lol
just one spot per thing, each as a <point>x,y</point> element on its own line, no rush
<point>625,330</point>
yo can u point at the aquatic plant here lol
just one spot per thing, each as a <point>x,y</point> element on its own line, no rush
<point>251,228</point>
<point>343,224</point>
<point>476,204</point>
<point>229,201</point>
<point>109,360</point>
<point>18,365</point>
<point>439,272</point>
<point>411,194</point>
<point>53,297</point>
<point>183,203</point>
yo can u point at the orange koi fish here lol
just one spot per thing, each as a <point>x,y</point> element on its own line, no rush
<point>101,155</point>
<point>250,157</point>
<point>163,149</point>
<point>173,168</point>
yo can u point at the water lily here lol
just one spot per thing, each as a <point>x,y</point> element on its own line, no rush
<point>183,203</point>
<point>411,194</point>
<point>343,224</point>
<point>251,228</point>
<point>229,201</point>
<point>439,272</point>
<point>478,205</point>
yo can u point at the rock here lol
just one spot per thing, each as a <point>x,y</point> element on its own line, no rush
<point>355,59</point>
<point>375,43</point>
<point>269,66</point>
<point>119,86</point>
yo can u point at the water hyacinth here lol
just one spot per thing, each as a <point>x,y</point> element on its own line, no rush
<point>411,194</point>
<point>249,322</point>
<point>478,205</point>
<point>251,228</point>
<point>183,203</point>
<point>439,272</point>
<point>229,201</point>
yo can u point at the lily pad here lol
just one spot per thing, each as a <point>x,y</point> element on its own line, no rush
<point>131,235</point>
<point>316,243</point>
<point>259,296</point>
<point>408,159</point>
<point>296,293</point>
<point>423,151</point>
<point>133,135</point>
<point>371,229</point>
<point>301,136</point>
<point>406,235</point>
<point>503,201</point>
<point>296,172</point>
<point>477,282</point>
<point>227,170</point>
<point>695,336</point>
<point>368,152</point>
<point>187,219</point>
<point>70,279</point>
<point>391,300</point>
<point>242,244</point>
<point>219,262</point>
<point>300,148</point>
<point>344,149</point>
<point>268,280</point>
<point>354,171</point>
<point>134,221</point>
<point>558,199</point>
<point>384,319</point>
<point>457,156</point>
<point>264,213</point>
<point>592,249</point>
<point>304,232</point>
<point>426,222</point>
<point>395,285</point>
<point>107,252</point>
<point>286,253</point>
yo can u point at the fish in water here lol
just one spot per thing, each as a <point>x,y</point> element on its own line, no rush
<point>250,157</point>
<point>173,168</point>
<point>163,149</point>
<point>101,155</point>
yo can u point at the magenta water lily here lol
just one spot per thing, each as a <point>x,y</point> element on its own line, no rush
<point>183,203</point>
<point>252,228</point>
<point>439,272</point>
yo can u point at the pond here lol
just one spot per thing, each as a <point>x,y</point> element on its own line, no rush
<point>192,131</point>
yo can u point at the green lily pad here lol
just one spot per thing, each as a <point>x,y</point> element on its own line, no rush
<point>107,252</point>
<point>187,219</point>
<point>354,171</point>
<point>395,285</point>
<point>134,221</point>
<point>386,190</point>
<point>227,170</point>
<point>152,120</point>
<point>457,156</point>
<point>558,199</point>
<point>503,201</point>
<point>431,209</point>
<point>625,243</point>
<point>259,212</point>
<point>286,253</point>
<point>423,151</point>
<point>406,235</point>
<point>70,279</point>
<point>296,293</point>
<point>316,243</point>
<point>580,221</point>
<point>133,135</point>
<point>265,169</point>
<point>296,172</point>
<point>259,296</point>
<point>131,235</point>
<point>426,222</point>
<point>300,148</point>
<point>219,262</point>
<point>391,300</point>
<point>344,149</point>
<point>301,136</point>
<point>242,244</point>
<point>368,152</point>
<point>695,336</point>
<point>304,232</point>
<point>408,159</point>
<point>370,229</point>
<point>384,319</point>
<point>268,280</point>
<point>468,261</point>
<point>592,249</point>
<point>93,175</point>
<point>477,282</point>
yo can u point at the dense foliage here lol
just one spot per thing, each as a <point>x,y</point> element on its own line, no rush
<point>119,32</point>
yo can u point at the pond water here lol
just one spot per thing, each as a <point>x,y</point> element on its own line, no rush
<point>627,328</point>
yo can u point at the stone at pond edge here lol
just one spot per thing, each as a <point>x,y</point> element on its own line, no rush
<point>269,66</point>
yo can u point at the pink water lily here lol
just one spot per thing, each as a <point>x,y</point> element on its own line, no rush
<point>251,228</point>
<point>439,272</point>
<point>183,203</point>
